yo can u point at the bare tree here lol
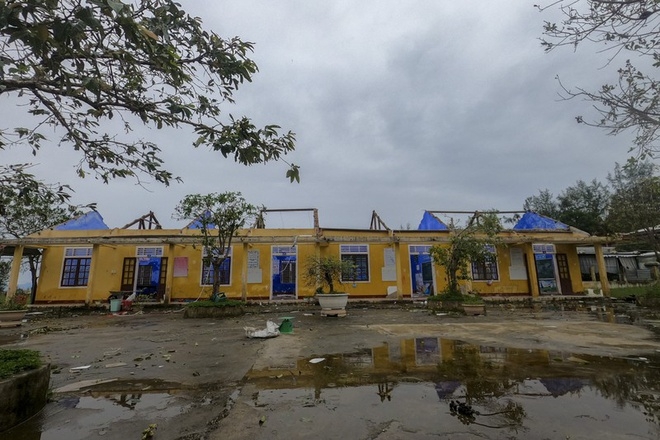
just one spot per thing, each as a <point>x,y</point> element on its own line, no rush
<point>625,29</point>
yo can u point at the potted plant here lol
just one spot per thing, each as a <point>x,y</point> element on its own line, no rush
<point>456,301</point>
<point>12,312</point>
<point>325,273</point>
<point>473,304</point>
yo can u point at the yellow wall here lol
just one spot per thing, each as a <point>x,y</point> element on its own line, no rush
<point>107,277</point>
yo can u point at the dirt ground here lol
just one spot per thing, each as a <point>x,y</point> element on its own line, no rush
<point>204,362</point>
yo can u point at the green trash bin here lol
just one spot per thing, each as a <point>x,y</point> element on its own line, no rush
<point>115,305</point>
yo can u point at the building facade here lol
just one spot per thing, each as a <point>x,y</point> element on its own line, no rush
<point>83,262</point>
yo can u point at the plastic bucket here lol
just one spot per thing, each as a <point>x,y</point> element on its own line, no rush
<point>115,305</point>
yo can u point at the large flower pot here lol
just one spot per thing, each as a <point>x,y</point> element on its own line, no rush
<point>332,304</point>
<point>474,309</point>
<point>11,318</point>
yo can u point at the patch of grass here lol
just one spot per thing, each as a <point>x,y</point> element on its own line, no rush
<point>223,303</point>
<point>17,361</point>
<point>647,291</point>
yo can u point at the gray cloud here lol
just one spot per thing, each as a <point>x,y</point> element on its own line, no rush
<point>398,107</point>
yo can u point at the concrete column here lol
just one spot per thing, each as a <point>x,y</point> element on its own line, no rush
<point>602,270</point>
<point>399,270</point>
<point>92,274</point>
<point>15,271</point>
<point>531,271</point>
<point>244,272</point>
<point>169,274</point>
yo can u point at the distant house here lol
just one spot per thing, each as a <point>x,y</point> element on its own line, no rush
<point>85,261</point>
<point>622,267</point>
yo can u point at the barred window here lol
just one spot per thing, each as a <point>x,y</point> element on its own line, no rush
<point>225,271</point>
<point>486,270</point>
<point>359,256</point>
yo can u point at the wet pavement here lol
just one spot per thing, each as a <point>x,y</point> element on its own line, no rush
<point>398,373</point>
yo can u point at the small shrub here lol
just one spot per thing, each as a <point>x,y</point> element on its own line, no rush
<point>448,295</point>
<point>12,304</point>
<point>209,303</point>
<point>16,361</point>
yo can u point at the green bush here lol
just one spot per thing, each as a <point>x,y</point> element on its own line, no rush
<point>17,361</point>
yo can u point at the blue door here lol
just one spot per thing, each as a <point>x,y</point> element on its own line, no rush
<point>421,271</point>
<point>284,270</point>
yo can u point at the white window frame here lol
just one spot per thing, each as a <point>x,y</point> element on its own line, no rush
<point>356,249</point>
<point>75,253</point>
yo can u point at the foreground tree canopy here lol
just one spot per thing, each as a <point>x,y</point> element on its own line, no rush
<point>629,29</point>
<point>93,69</point>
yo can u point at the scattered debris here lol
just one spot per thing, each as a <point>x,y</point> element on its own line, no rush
<point>577,360</point>
<point>316,360</point>
<point>79,369</point>
<point>149,432</point>
<point>270,331</point>
<point>462,409</point>
<point>115,364</point>
<point>262,420</point>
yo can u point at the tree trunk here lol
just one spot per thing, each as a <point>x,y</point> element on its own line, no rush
<point>331,285</point>
<point>33,261</point>
<point>216,276</point>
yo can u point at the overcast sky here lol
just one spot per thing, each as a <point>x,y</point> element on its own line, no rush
<point>398,107</point>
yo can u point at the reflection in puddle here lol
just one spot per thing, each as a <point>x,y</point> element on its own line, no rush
<point>94,415</point>
<point>436,386</point>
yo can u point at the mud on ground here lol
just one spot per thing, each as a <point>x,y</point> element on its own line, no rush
<point>203,362</point>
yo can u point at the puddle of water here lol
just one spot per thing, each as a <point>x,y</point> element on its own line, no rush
<point>79,418</point>
<point>429,387</point>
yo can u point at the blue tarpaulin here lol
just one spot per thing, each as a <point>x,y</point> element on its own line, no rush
<point>532,220</point>
<point>197,224</point>
<point>90,221</point>
<point>431,223</point>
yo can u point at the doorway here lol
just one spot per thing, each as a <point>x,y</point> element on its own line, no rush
<point>421,271</point>
<point>146,273</point>
<point>284,267</point>
<point>564,274</point>
<point>546,273</point>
